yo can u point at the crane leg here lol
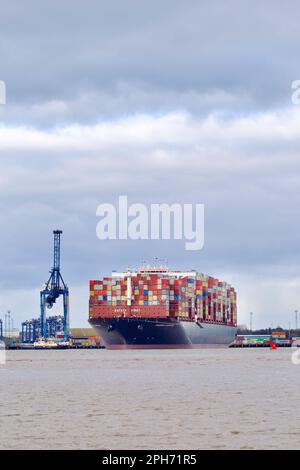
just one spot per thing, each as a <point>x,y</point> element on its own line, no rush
<point>66,316</point>
<point>43,315</point>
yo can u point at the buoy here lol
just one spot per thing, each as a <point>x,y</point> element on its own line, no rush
<point>273,345</point>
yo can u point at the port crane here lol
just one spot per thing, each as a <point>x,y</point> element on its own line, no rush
<point>54,288</point>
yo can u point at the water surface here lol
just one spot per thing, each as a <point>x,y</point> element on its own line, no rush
<point>175,399</point>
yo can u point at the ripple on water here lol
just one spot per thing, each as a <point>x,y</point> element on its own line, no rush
<point>210,399</point>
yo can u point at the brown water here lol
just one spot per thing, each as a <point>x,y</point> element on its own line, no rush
<point>182,399</point>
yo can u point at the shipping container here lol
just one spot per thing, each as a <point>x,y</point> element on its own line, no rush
<point>198,297</point>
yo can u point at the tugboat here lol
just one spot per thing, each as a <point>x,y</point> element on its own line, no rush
<point>42,343</point>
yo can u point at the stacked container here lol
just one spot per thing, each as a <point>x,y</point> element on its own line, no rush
<point>108,291</point>
<point>195,298</point>
<point>150,290</point>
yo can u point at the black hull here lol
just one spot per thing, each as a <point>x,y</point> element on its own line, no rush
<point>142,333</point>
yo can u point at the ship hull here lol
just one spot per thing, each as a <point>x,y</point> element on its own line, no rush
<point>166,333</point>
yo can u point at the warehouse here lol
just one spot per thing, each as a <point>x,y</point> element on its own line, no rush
<point>84,337</point>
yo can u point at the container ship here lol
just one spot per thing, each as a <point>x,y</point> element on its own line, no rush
<point>159,308</point>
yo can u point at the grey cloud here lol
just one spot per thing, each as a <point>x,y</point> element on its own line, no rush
<point>249,192</point>
<point>165,102</point>
<point>104,59</point>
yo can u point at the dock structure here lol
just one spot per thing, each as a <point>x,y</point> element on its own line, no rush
<point>80,338</point>
<point>259,345</point>
<point>31,347</point>
<point>261,341</point>
<point>32,329</point>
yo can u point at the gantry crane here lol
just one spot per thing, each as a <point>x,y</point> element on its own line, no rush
<point>54,288</point>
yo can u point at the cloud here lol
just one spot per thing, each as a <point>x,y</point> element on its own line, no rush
<point>244,169</point>
<point>151,131</point>
<point>165,102</point>
<point>91,60</point>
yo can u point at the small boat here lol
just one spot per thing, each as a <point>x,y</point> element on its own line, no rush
<point>45,344</point>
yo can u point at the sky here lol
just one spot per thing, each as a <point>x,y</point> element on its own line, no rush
<point>165,102</point>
